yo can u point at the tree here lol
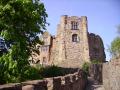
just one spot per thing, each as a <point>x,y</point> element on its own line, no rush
<point>20,23</point>
<point>115,47</point>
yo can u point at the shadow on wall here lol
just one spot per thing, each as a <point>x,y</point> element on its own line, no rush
<point>95,72</point>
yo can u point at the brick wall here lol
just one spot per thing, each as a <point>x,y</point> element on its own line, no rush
<point>75,81</point>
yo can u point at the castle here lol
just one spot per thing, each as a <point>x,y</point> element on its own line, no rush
<point>72,46</point>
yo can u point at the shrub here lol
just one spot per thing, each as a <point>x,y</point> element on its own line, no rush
<point>10,72</point>
<point>31,73</point>
<point>51,71</point>
<point>85,67</point>
<point>95,62</point>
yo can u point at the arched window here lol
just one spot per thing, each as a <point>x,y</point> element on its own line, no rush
<point>75,38</point>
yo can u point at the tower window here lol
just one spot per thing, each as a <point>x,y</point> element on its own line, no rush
<point>75,38</point>
<point>74,25</point>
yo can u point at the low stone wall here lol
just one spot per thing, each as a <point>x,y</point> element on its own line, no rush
<point>111,75</point>
<point>76,81</point>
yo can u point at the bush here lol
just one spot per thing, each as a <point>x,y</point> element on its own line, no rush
<point>10,72</point>
<point>95,62</point>
<point>85,67</point>
<point>51,71</point>
<point>31,73</point>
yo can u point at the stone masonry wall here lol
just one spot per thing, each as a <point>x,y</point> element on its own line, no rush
<point>76,81</point>
<point>72,45</point>
<point>95,71</point>
<point>111,75</point>
<point>65,51</point>
<point>96,48</point>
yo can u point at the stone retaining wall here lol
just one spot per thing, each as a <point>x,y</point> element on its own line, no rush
<point>111,75</point>
<point>76,81</point>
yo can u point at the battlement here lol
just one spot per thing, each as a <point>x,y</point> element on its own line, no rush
<point>65,18</point>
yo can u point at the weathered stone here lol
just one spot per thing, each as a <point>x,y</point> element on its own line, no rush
<point>73,81</point>
<point>28,87</point>
<point>95,71</point>
<point>37,85</point>
<point>111,75</point>
<point>72,46</point>
<point>16,86</point>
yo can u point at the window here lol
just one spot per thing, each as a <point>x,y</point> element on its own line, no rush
<point>74,25</point>
<point>75,38</point>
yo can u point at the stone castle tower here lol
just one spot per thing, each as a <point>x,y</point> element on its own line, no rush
<point>73,45</point>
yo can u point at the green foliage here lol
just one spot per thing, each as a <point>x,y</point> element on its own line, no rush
<point>115,47</point>
<point>51,71</point>
<point>31,73</point>
<point>38,66</point>
<point>20,23</point>
<point>9,71</point>
<point>85,67</point>
<point>95,62</point>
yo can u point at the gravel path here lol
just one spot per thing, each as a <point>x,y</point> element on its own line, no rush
<point>92,85</point>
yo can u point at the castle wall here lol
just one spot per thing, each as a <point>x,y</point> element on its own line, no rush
<point>111,75</point>
<point>54,52</point>
<point>75,81</point>
<point>73,45</point>
<point>69,53</point>
<point>96,48</point>
<point>44,50</point>
<point>85,42</point>
<point>44,55</point>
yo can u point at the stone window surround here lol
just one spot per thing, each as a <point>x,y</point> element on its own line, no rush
<point>75,38</point>
<point>74,25</point>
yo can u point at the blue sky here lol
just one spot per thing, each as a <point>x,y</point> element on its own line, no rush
<point>103,16</point>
